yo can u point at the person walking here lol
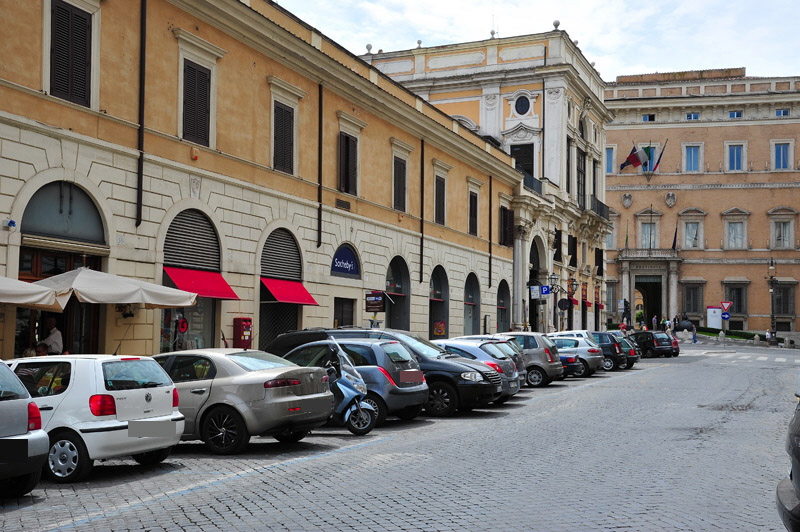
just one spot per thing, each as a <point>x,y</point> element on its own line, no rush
<point>655,322</point>
<point>767,336</point>
<point>694,334</point>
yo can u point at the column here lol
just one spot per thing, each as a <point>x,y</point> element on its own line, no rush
<point>673,289</point>
<point>520,275</point>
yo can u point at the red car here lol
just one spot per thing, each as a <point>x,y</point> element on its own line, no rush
<point>676,349</point>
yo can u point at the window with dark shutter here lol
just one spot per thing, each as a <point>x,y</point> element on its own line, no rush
<point>70,53</point>
<point>348,163</point>
<point>506,227</point>
<point>283,138</point>
<point>438,214</point>
<point>572,250</point>
<point>599,261</point>
<point>399,184</point>
<point>581,178</point>
<point>569,165</point>
<point>523,158</point>
<point>196,102</point>
<point>473,213</point>
<point>557,246</point>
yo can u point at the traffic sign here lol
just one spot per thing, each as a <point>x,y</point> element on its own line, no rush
<point>726,305</point>
<point>544,290</point>
<point>725,316</point>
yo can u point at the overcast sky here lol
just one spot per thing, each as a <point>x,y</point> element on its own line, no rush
<point>619,36</point>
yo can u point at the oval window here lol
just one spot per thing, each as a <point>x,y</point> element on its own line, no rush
<point>522,106</point>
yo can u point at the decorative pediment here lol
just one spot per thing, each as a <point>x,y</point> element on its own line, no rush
<point>467,122</point>
<point>520,133</point>
<point>782,211</point>
<point>692,211</point>
<point>648,212</point>
<point>735,211</point>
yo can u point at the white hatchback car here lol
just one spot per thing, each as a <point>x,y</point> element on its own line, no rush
<point>96,407</point>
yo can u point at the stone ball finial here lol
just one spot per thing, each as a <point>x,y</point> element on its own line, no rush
<point>492,34</point>
<point>556,24</point>
<point>369,48</point>
<point>419,43</point>
<point>576,42</point>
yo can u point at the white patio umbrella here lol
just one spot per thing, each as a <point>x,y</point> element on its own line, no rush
<point>31,295</point>
<point>91,286</point>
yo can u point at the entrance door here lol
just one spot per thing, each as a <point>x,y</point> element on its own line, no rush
<point>343,311</point>
<point>650,288</point>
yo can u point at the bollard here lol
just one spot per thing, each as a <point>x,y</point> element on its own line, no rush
<point>756,339</point>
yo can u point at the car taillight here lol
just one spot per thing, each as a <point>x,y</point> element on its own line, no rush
<point>324,378</point>
<point>281,383</point>
<point>616,346</point>
<point>34,417</point>
<point>495,366</point>
<point>175,399</point>
<point>570,360</point>
<point>388,377</point>
<point>593,351</point>
<point>549,355</point>
<point>632,352</point>
<point>102,405</point>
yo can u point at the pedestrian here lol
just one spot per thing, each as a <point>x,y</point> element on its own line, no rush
<point>53,341</point>
<point>694,334</point>
<point>664,324</point>
<point>767,336</point>
<point>655,322</point>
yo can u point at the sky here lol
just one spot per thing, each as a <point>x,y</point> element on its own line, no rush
<point>620,36</point>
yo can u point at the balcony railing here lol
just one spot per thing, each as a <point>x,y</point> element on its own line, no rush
<point>531,182</point>
<point>600,208</point>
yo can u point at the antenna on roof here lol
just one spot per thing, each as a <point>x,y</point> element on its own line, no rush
<point>121,339</point>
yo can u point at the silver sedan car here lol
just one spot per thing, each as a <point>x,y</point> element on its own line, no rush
<point>588,352</point>
<point>229,395</point>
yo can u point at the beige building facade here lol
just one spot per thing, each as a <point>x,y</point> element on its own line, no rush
<point>228,148</point>
<point>537,98</point>
<point>717,220</point>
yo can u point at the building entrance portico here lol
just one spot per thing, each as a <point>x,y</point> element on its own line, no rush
<point>654,274</point>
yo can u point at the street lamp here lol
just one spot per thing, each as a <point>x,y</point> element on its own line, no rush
<point>773,337</point>
<point>555,288</point>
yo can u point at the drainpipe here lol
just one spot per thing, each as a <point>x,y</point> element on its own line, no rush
<point>319,167</point>
<point>140,136</point>
<point>421,208</point>
<point>491,210</point>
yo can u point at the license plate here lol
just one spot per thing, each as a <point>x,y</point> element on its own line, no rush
<point>514,384</point>
<point>411,375</point>
<point>151,429</point>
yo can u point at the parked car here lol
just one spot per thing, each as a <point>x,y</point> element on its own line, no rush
<point>395,384</point>
<point>509,346</point>
<point>486,351</point>
<point>631,350</point>
<point>95,407</point>
<point>454,383</point>
<point>24,446</point>
<point>542,362</point>
<point>787,494</point>
<point>571,364</point>
<point>676,347</point>
<point>587,351</point>
<point>232,394</point>
<point>612,350</point>
<point>653,343</point>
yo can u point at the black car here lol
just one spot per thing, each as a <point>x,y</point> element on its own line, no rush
<point>653,343</point>
<point>631,349</point>
<point>454,383</point>
<point>787,495</point>
<point>612,350</point>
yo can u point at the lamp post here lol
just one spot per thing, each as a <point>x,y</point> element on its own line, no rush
<point>773,337</point>
<point>555,288</point>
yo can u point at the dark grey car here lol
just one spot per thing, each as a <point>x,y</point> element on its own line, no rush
<point>542,361</point>
<point>486,351</point>
<point>395,383</point>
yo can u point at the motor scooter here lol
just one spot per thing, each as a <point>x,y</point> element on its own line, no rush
<point>349,391</point>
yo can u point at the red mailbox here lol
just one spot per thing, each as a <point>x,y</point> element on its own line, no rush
<point>242,332</point>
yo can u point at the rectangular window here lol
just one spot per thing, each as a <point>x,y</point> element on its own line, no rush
<point>70,53</point>
<point>692,159</point>
<point>692,116</point>
<point>781,112</point>
<point>580,165</point>
<point>783,237</point>
<point>693,299</point>
<point>399,184</point>
<point>348,163</point>
<point>737,294</point>
<point>557,246</point>
<point>599,261</point>
<point>523,158</point>
<point>784,299</point>
<point>735,235</point>
<point>506,227</point>
<point>473,213</point>
<point>569,166</point>
<point>691,235</point>
<point>649,118</point>
<point>439,203</point>
<point>735,153</point>
<point>611,297</point>
<point>648,235</point>
<point>196,102</point>
<point>572,250</point>
<point>283,139</point>
<point>735,114</point>
<point>782,156</point>
<point>610,160</point>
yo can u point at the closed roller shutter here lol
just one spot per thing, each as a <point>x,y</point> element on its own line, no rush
<point>280,258</point>
<point>192,242</point>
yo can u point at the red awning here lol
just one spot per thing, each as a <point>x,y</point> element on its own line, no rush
<point>288,291</point>
<point>587,303</point>
<point>201,282</point>
<point>601,306</point>
<point>573,300</point>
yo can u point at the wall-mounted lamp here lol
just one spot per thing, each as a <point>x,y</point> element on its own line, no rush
<point>126,310</point>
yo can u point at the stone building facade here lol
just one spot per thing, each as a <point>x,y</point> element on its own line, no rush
<point>717,220</point>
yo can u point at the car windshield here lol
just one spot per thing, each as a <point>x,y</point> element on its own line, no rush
<point>421,346</point>
<point>133,374</point>
<point>494,350</point>
<point>660,336</point>
<point>591,342</point>
<point>547,342</point>
<point>258,360</point>
<point>566,342</point>
<point>10,386</point>
<point>397,352</point>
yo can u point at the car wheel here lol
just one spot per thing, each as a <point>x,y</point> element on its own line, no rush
<point>650,353</point>
<point>19,486</point>
<point>442,400</point>
<point>536,378</point>
<point>668,355</point>
<point>609,364</point>
<point>410,412</point>
<point>629,365</point>
<point>361,422</point>
<point>502,400</point>
<point>223,431</point>
<point>582,371</point>
<point>379,405</point>
<point>152,457</point>
<point>68,460</point>
<point>291,437</point>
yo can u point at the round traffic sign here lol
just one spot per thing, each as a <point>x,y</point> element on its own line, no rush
<point>726,316</point>
<point>183,325</point>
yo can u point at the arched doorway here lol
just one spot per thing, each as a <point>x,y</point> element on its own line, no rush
<point>472,305</point>
<point>503,310</point>
<point>60,216</point>
<point>536,319</point>
<point>397,303</point>
<point>439,304</point>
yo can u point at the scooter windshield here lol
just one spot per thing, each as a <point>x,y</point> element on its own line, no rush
<point>347,365</point>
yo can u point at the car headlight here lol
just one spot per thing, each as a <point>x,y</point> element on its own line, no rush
<point>361,388</point>
<point>473,376</point>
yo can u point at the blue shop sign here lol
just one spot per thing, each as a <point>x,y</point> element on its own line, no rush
<point>345,263</point>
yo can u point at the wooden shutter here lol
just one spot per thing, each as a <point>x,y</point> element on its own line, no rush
<point>196,102</point>
<point>399,184</point>
<point>283,138</point>
<point>473,213</point>
<point>348,163</point>
<point>599,261</point>
<point>506,226</point>
<point>70,53</point>
<point>557,246</point>
<point>439,206</point>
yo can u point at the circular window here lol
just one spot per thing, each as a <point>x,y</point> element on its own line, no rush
<point>522,105</point>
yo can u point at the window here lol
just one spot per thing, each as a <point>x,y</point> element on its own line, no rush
<point>610,161</point>
<point>649,118</point>
<point>523,158</point>
<point>691,161</point>
<point>439,201</point>
<point>506,227</point>
<point>348,163</point>
<point>557,246</point>
<point>782,155</point>
<point>522,105</point>
<point>735,157</point>
<point>285,105</point>
<point>691,234</point>
<point>781,112</point>
<point>735,235</point>
<point>580,166</point>
<point>736,294</point>
<point>399,201</point>
<point>572,250</point>
<point>782,233</point>
<point>693,116</point>
<point>611,297</point>
<point>693,299</point>
<point>735,114</point>
<point>71,53</point>
<point>783,297</point>
<point>473,213</point>
<point>648,235</point>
